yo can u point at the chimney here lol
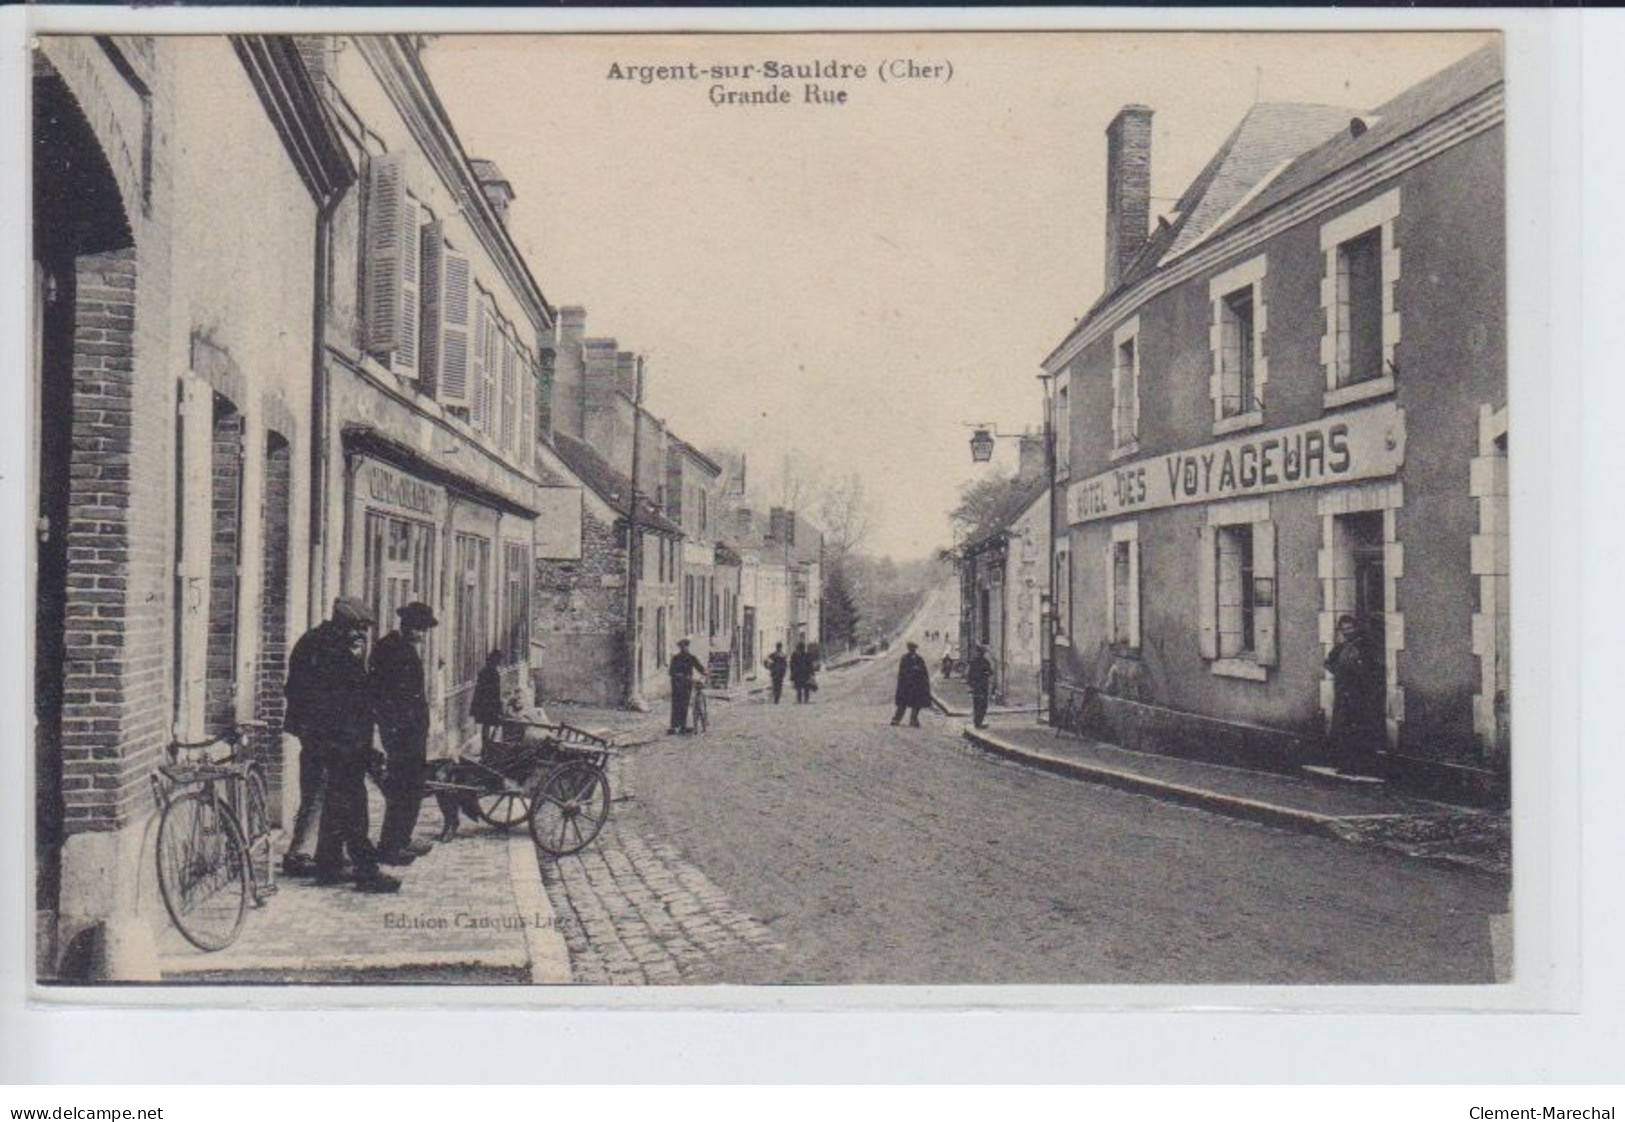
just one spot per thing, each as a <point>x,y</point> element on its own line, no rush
<point>569,373</point>
<point>598,412</point>
<point>494,185</point>
<point>781,525</point>
<point>744,523</point>
<point>626,373</point>
<point>1128,189</point>
<point>1032,466</point>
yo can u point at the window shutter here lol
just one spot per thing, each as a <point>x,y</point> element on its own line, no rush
<point>527,410</point>
<point>406,342</point>
<point>488,382</point>
<point>507,393</point>
<point>482,332</point>
<point>452,374</point>
<point>1264,644</point>
<point>431,307</point>
<point>1111,592</point>
<point>1207,594</point>
<point>1134,592</point>
<point>386,197</point>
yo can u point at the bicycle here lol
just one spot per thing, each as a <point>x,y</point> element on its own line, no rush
<point>214,837</point>
<point>1077,710</point>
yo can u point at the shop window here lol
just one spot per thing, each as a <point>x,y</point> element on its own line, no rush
<point>515,603</point>
<point>1358,300</point>
<point>1123,586</point>
<point>471,587</point>
<point>1237,591</point>
<point>1126,389</point>
<point>397,568</point>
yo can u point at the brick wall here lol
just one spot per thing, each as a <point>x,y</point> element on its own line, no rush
<point>225,547</point>
<point>114,694</point>
<point>272,663</point>
<point>580,618</point>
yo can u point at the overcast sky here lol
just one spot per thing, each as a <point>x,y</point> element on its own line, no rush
<point>855,281</point>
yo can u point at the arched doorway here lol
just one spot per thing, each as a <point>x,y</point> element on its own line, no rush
<point>83,323</point>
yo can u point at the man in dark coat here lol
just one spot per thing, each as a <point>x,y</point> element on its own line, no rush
<point>913,686</point>
<point>308,715</point>
<point>330,699</point>
<point>979,676</point>
<point>684,669</point>
<point>1359,723</point>
<point>776,666</point>
<point>801,672</point>
<point>400,704</point>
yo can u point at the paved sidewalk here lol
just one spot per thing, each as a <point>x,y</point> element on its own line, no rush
<point>1350,811</point>
<point>955,695</point>
<point>471,911</point>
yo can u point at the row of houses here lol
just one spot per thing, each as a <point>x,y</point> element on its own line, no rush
<point>286,349</point>
<point>1288,405</point>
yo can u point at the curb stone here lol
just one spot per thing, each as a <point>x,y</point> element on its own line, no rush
<point>549,958</point>
<point>1230,806</point>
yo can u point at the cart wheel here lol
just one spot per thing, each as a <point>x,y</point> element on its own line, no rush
<point>504,809</point>
<point>568,808</point>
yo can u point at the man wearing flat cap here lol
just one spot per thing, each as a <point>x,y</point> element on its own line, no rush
<point>684,669</point>
<point>400,704</point>
<point>321,699</point>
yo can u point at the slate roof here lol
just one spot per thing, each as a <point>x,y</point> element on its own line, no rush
<point>976,545</point>
<point>608,484</point>
<point>1281,149</point>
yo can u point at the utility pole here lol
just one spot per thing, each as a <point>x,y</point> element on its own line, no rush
<point>634,552</point>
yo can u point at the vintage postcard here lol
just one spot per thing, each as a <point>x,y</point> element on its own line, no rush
<point>637,510</point>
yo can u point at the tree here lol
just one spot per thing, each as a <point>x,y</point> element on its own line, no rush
<point>990,504</point>
<point>844,514</point>
<point>841,612</point>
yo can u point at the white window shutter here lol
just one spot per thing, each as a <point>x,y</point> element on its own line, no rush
<point>432,290</point>
<point>1111,592</point>
<point>406,343</point>
<point>1264,643</point>
<point>386,196</point>
<point>1207,594</point>
<point>452,376</point>
<point>506,439</point>
<point>527,410</point>
<point>1134,592</point>
<point>488,381</point>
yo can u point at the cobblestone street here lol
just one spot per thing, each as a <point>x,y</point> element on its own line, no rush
<point>817,844</point>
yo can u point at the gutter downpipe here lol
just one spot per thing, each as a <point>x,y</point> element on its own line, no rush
<point>320,419</point>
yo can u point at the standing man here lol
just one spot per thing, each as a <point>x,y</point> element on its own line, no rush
<point>913,686</point>
<point>400,704</point>
<point>979,676</point>
<point>329,691</point>
<point>684,668</point>
<point>776,666</point>
<point>311,714</point>
<point>801,672</point>
<point>1359,722</point>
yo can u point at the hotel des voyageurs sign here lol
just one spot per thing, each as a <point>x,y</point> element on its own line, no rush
<point>1361,444</point>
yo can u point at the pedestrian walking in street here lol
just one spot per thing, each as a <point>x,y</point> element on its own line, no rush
<point>947,662</point>
<point>400,704</point>
<point>1359,723</point>
<point>979,676</point>
<point>331,695</point>
<point>776,666</point>
<point>803,672</point>
<point>486,705</point>
<point>913,686</point>
<point>307,716</point>
<point>684,669</point>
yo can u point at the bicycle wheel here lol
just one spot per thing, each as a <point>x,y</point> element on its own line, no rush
<point>503,809</point>
<point>257,815</point>
<point>202,870</point>
<point>568,808</point>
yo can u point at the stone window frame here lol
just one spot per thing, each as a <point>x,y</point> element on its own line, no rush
<point>1357,498</point>
<point>1490,564</point>
<point>1123,533</point>
<point>1381,213</point>
<point>1129,332</point>
<point>1254,666</point>
<point>1248,274</point>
